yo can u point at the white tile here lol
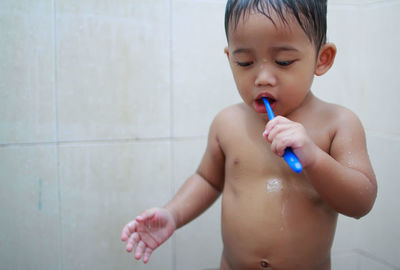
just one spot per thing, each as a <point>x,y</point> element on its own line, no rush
<point>381,51</point>
<point>345,261</point>
<point>205,246</point>
<point>359,260</point>
<point>343,83</point>
<point>347,234</point>
<point>104,186</point>
<point>372,262</point>
<point>187,156</point>
<point>27,111</point>
<point>113,70</point>
<point>117,8</point>
<point>199,243</point>
<point>41,6</point>
<point>29,207</point>
<point>358,3</point>
<point>362,77</point>
<point>202,81</point>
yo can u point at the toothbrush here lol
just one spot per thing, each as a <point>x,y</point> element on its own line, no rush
<point>290,158</point>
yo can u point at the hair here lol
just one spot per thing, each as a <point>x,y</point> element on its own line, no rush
<point>310,14</point>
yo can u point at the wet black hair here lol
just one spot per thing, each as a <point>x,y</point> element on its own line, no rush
<point>310,14</point>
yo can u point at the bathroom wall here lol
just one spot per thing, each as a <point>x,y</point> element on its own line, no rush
<point>105,108</point>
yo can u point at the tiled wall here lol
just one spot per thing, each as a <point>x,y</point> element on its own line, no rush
<point>105,108</point>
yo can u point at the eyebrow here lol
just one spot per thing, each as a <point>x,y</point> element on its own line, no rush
<point>242,50</point>
<point>284,48</point>
<point>274,48</point>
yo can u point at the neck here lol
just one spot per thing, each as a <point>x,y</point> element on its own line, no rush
<point>304,104</point>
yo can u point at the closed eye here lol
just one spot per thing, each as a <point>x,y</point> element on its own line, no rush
<point>244,64</point>
<point>285,63</point>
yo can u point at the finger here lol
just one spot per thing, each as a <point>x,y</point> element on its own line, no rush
<point>271,125</point>
<point>275,148</point>
<point>277,130</point>
<point>124,234</point>
<point>148,214</point>
<point>132,241</point>
<point>147,254</point>
<point>277,120</point>
<point>140,250</point>
<point>128,230</point>
<point>282,141</point>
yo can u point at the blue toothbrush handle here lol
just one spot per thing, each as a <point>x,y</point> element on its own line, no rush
<point>292,160</point>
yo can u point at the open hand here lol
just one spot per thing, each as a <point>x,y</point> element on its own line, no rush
<point>148,231</point>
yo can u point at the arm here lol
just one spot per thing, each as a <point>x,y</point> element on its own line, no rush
<point>154,226</point>
<point>204,187</point>
<point>344,178</point>
<point>192,199</point>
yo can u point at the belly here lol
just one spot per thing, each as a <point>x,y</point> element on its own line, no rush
<point>275,222</point>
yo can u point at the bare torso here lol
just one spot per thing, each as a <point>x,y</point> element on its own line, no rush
<point>272,218</point>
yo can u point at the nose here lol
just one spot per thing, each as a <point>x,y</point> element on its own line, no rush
<point>265,77</point>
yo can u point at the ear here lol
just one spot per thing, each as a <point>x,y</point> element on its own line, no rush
<point>326,57</point>
<point>226,51</point>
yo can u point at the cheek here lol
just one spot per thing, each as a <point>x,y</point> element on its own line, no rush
<point>297,87</point>
<point>301,79</point>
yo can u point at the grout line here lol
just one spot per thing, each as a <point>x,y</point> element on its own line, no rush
<point>171,121</point>
<point>375,258</point>
<point>104,141</point>
<point>57,142</point>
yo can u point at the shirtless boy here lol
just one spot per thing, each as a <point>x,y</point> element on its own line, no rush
<point>272,217</point>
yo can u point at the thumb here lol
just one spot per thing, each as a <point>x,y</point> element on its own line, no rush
<point>146,215</point>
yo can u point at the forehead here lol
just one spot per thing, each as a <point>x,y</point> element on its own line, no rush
<point>254,27</point>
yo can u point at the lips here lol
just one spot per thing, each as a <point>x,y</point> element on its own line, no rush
<point>259,105</point>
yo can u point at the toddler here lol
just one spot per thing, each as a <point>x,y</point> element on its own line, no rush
<point>272,217</point>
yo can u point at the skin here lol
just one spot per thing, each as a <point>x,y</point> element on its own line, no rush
<point>272,218</point>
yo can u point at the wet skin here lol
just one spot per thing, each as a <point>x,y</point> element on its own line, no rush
<point>271,216</point>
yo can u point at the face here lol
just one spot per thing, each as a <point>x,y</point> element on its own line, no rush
<point>274,61</point>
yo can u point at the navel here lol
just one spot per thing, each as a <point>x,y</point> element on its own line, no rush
<point>264,264</point>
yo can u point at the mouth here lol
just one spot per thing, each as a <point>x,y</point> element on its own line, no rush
<point>259,103</point>
<point>259,99</point>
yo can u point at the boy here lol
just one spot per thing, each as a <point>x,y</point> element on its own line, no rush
<point>272,218</point>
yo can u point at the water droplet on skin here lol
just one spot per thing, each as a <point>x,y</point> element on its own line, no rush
<point>274,185</point>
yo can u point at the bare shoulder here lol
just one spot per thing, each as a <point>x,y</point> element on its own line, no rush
<point>232,111</point>
<point>229,115</point>
<point>336,116</point>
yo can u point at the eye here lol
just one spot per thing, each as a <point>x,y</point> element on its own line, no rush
<point>284,63</point>
<point>244,64</point>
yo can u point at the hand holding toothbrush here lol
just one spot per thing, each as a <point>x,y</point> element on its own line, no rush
<point>281,132</point>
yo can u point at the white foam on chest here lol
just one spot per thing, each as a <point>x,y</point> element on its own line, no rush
<point>274,185</point>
